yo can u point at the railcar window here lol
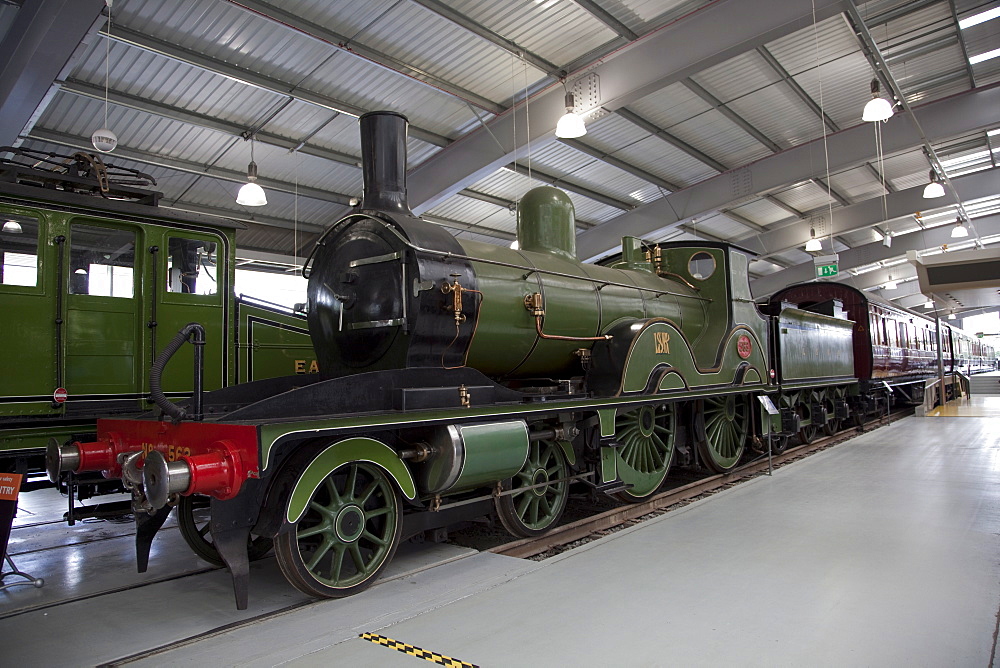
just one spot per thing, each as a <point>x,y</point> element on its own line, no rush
<point>191,266</point>
<point>102,261</point>
<point>701,265</point>
<point>18,250</point>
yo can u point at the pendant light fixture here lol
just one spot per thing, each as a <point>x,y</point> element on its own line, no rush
<point>570,125</point>
<point>891,285</point>
<point>960,230</point>
<point>951,316</point>
<point>104,140</point>
<point>251,194</point>
<point>878,108</point>
<point>934,188</point>
<point>929,304</point>
<point>814,244</point>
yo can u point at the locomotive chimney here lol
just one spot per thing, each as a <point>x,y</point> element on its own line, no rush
<point>383,162</point>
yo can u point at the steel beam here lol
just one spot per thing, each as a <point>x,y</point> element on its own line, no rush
<point>869,213</point>
<point>554,180</point>
<point>605,17</point>
<point>459,19</point>
<point>942,119</point>
<point>918,240</point>
<point>357,50</point>
<point>84,89</point>
<point>173,52</point>
<point>205,121</point>
<point>660,133</point>
<point>790,210</point>
<point>35,49</point>
<point>462,226</point>
<point>621,164</point>
<point>665,56</point>
<point>746,222</point>
<point>741,122</point>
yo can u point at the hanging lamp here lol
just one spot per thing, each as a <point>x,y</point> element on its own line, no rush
<point>960,230</point>
<point>251,194</point>
<point>878,108</point>
<point>813,244</point>
<point>934,188</point>
<point>570,125</point>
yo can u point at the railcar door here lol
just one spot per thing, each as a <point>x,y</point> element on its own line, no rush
<point>102,322</point>
<point>190,285</point>
<point>26,337</point>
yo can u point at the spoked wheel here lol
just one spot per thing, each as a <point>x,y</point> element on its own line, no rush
<point>348,534</point>
<point>727,423</point>
<point>647,436</point>
<point>195,523</point>
<point>807,433</point>
<point>829,400</point>
<point>532,512</point>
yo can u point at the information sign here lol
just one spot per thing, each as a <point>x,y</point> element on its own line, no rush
<point>768,405</point>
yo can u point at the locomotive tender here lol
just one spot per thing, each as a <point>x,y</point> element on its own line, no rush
<point>459,379</point>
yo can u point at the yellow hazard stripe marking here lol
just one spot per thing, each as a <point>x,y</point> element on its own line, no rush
<point>418,652</point>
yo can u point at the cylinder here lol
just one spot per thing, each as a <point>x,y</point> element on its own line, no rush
<point>383,162</point>
<point>469,456</point>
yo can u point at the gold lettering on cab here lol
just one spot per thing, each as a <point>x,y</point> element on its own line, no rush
<point>300,366</point>
<point>662,340</point>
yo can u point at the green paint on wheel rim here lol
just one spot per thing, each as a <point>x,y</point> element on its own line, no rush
<point>347,531</point>
<point>539,508</point>
<point>647,437</point>
<point>727,422</point>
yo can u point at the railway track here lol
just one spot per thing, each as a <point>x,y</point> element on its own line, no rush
<point>595,526</point>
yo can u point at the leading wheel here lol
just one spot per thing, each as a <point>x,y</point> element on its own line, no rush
<point>348,534</point>
<point>540,491</point>
<point>195,523</point>
<point>727,423</point>
<point>647,436</point>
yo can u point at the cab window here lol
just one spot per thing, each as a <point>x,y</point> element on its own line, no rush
<point>102,261</point>
<point>18,250</point>
<point>192,266</point>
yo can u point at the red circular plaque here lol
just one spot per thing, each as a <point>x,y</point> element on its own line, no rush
<point>60,395</point>
<point>743,346</point>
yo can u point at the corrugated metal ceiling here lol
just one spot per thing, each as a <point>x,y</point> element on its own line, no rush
<point>193,113</point>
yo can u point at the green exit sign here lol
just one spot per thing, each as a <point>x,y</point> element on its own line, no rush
<point>827,266</point>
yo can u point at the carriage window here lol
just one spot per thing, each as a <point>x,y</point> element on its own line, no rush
<point>101,261</point>
<point>18,250</point>
<point>701,265</point>
<point>192,266</point>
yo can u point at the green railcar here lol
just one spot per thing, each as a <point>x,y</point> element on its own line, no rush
<point>95,278</point>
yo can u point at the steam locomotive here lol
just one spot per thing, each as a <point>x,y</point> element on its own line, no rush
<point>460,379</point>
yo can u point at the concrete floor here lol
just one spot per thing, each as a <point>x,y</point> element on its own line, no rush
<point>880,552</point>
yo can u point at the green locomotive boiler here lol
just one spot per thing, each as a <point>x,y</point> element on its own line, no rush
<point>460,379</point>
